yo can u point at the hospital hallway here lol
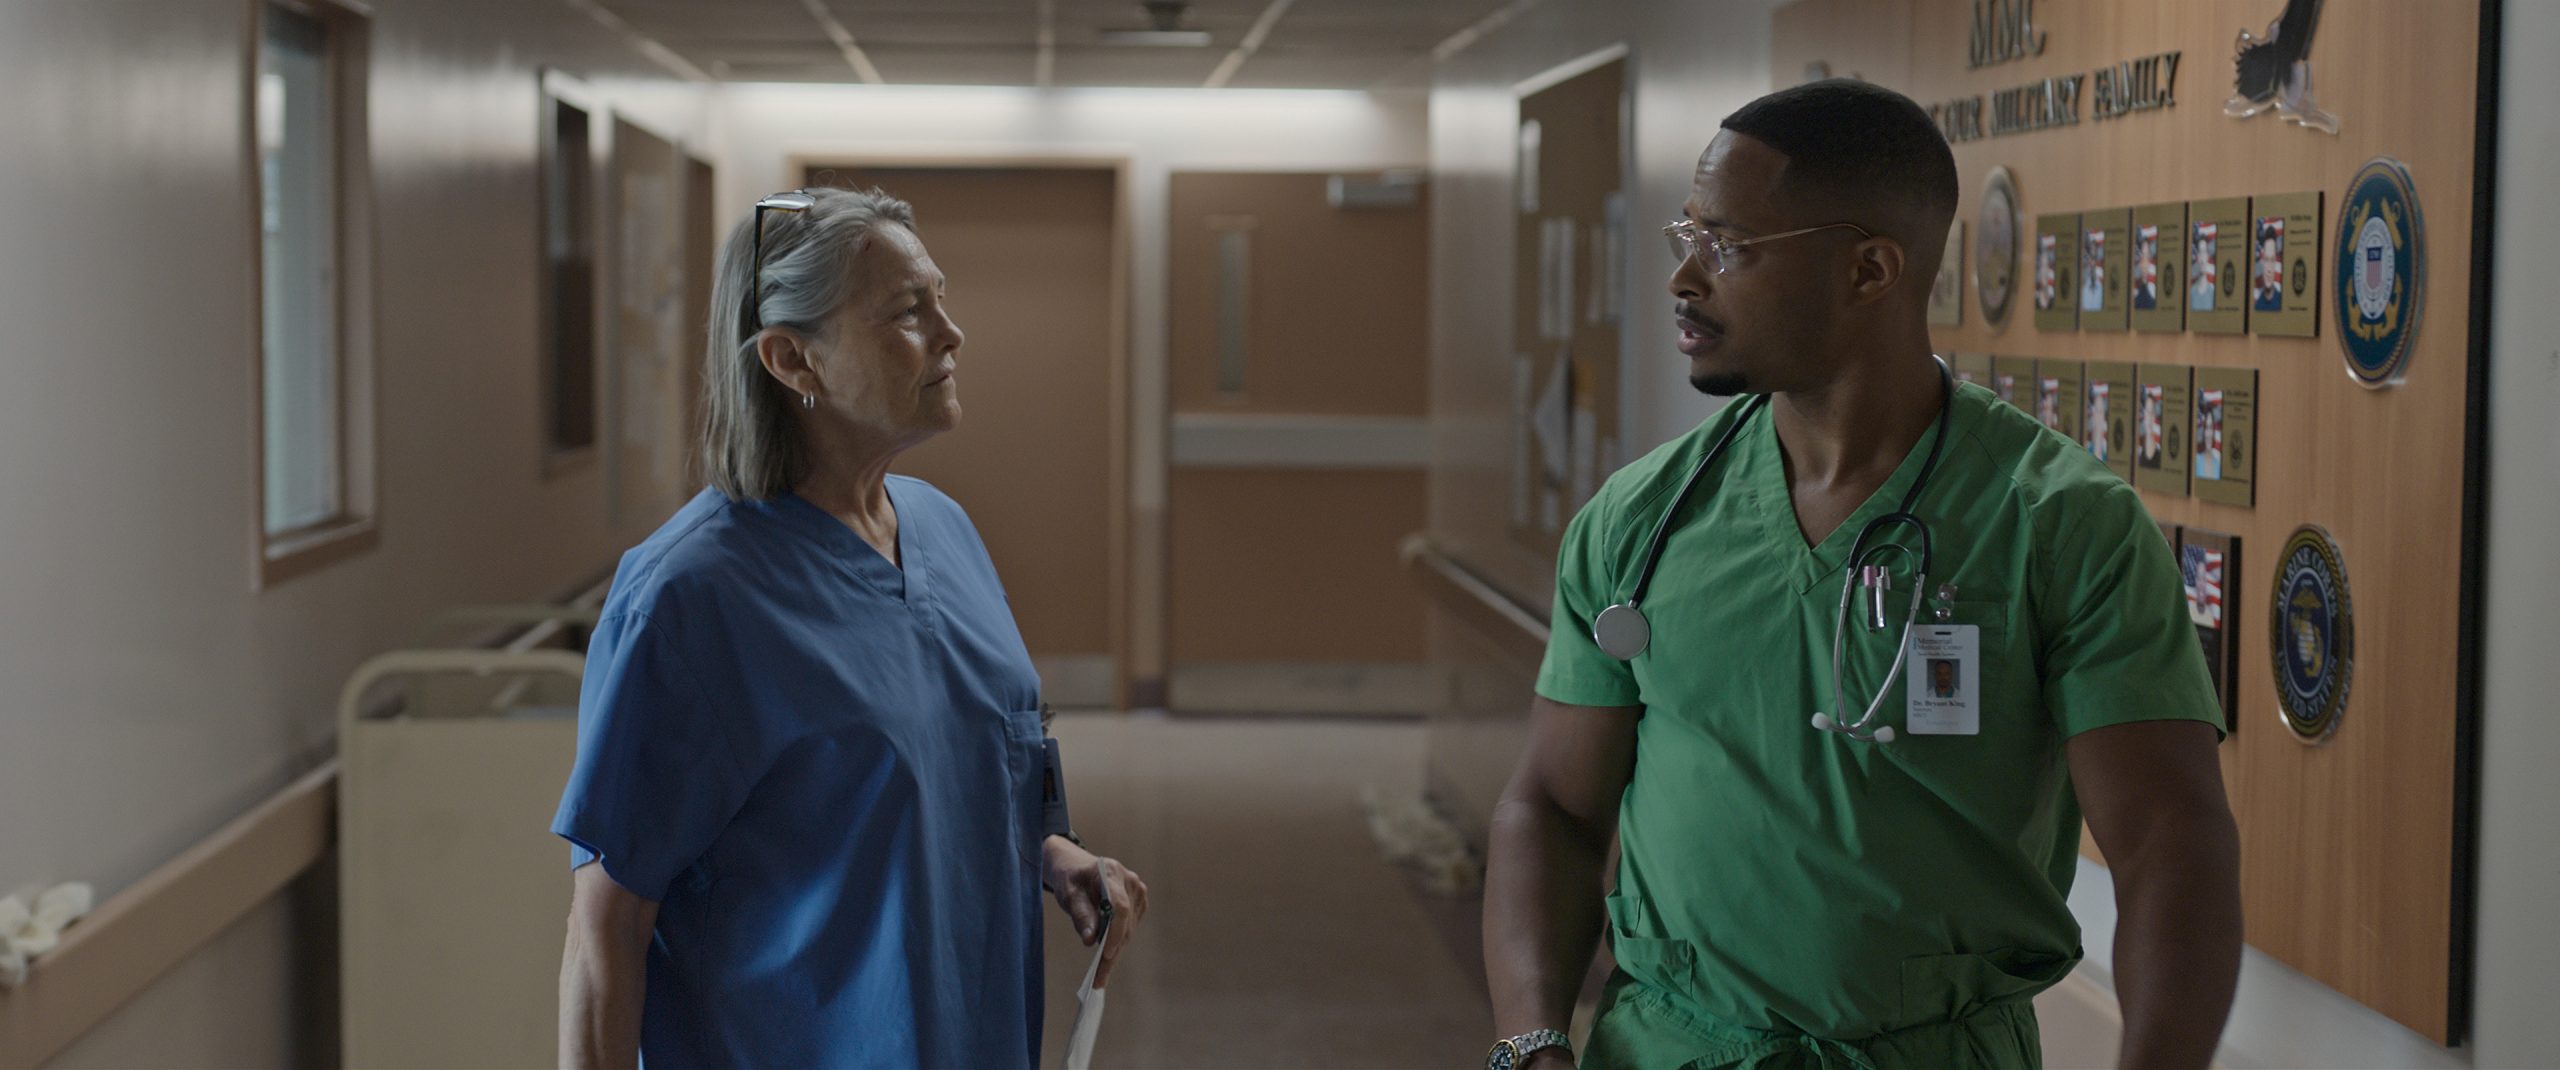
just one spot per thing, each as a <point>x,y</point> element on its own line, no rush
<point>531,529</point>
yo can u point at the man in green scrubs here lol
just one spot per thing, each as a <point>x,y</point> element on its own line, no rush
<point>1789,896</point>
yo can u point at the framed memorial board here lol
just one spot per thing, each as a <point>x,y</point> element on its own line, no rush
<point>2160,428</point>
<point>2106,414</point>
<point>2105,251</point>
<point>2058,402</point>
<point>2157,301</point>
<point>2014,380</point>
<point>2225,449</point>
<point>2217,291</point>
<point>2284,265</point>
<point>1972,368</point>
<point>2209,569</point>
<point>2054,281</point>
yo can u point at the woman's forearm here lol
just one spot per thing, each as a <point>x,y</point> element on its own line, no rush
<point>604,973</point>
<point>600,996</point>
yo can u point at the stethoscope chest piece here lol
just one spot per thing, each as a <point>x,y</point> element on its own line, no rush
<point>1621,631</point>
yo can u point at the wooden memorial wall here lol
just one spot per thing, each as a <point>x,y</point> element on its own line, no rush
<point>2264,329</point>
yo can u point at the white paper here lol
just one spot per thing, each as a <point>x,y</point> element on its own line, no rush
<point>1088,1016</point>
<point>1089,1000</point>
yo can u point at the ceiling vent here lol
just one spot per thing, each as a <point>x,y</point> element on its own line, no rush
<point>1164,28</point>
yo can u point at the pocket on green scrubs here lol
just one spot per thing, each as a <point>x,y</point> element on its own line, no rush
<point>1656,961</point>
<point>1948,987</point>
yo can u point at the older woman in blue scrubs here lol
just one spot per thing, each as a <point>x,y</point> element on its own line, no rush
<point>805,819</point>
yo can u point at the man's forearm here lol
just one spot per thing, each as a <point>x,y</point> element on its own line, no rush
<point>2177,949</point>
<point>1542,913</point>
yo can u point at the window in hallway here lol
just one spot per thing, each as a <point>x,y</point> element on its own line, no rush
<point>308,103</point>
<point>568,272</point>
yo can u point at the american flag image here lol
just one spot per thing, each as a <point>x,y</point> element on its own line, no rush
<point>2203,569</point>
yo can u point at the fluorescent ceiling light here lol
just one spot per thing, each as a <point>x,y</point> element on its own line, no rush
<point>1156,38</point>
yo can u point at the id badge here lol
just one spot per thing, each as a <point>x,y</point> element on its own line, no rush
<point>1943,685</point>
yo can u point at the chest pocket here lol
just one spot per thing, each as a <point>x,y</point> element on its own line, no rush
<point>2005,677</point>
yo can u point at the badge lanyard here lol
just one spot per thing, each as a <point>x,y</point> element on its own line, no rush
<point>1623,632</point>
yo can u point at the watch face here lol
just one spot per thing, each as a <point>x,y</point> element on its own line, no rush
<point>1995,250</point>
<point>1503,1057</point>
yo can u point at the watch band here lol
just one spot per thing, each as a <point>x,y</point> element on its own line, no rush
<point>1509,1054</point>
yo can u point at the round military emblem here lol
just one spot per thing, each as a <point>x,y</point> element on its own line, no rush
<point>2315,636</point>
<point>1995,248</point>
<point>2381,272</point>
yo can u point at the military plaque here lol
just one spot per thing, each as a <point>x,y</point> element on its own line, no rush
<point>2160,428</point>
<point>2106,414</point>
<point>1946,295</point>
<point>2314,634</point>
<point>2209,567</point>
<point>2159,263</point>
<point>2217,283</point>
<point>2284,265</point>
<point>2106,248</point>
<point>2014,379</point>
<point>2058,397</point>
<point>1995,249</point>
<point>2057,258</point>
<point>2381,272</point>
<point>2226,436</point>
<point>1972,368</point>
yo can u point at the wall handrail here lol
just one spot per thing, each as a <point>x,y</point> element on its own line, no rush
<point>1517,629</point>
<point>142,932</point>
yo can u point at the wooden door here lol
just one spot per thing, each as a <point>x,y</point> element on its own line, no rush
<point>1297,345</point>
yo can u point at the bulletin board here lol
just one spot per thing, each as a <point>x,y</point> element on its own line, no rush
<point>2121,124</point>
<point>1569,293</point>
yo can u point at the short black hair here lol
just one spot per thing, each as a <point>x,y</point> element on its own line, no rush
<point>1859,146</point>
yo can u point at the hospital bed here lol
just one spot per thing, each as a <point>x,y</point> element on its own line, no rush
<point>453,893</point>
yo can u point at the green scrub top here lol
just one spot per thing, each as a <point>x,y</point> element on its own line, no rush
<point>1782,879</point>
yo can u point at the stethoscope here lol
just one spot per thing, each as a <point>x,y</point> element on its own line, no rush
<point>1622,631</point>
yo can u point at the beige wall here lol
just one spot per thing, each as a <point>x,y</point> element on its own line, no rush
<point>151,693</point>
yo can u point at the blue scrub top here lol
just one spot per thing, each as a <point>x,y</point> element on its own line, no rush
<point>825,770</point>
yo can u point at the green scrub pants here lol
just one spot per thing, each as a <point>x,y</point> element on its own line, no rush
<point>1639,1028</point>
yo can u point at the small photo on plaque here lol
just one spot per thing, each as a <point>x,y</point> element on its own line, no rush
<point>2284,265</point>
<point>2209,569</point>
<point>2106,414</point>
<point>2106,248</point>
<point>2014,380</point>
<point>2059,401</point>
<point>2226,435</point>
<point>1946,295</point>
<point>2161,413</point>
<point>2057,257</point>
<point>1972,368</point>
<point>2217,272</point>
<point>2159,267</point>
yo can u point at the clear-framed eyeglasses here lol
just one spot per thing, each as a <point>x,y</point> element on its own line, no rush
<point>1688,240</point>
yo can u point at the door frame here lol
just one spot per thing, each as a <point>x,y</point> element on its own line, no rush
<point>1137,546</point>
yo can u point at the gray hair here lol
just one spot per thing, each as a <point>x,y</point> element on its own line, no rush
<point>752,447</point>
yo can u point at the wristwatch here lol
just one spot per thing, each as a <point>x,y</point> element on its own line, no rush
<point>1509,1054</point>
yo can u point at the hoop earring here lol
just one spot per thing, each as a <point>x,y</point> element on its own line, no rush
<point>809,401</point>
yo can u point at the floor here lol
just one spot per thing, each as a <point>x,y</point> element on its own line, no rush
<point>1277,936</point>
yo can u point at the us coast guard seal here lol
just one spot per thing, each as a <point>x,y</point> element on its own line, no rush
<point>2315,636</point>
<point>2381,272</point>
